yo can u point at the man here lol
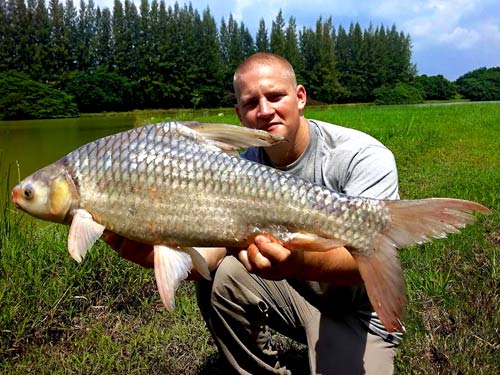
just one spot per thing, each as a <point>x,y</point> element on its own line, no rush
<point>314,297</point>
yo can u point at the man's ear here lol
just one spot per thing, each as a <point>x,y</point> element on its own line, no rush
<point>301,96</point>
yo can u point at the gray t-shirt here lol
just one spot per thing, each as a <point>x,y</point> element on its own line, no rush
<point>353,163</point>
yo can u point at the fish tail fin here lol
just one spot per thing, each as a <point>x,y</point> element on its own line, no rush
<point>419,221</point>
<point>412,222</point>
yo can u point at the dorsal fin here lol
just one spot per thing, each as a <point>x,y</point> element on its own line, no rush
<point>229,137</point>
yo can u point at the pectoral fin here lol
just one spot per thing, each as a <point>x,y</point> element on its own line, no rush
<point>84,231</point>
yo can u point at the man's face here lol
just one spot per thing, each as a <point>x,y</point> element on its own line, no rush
<point>268,100</point>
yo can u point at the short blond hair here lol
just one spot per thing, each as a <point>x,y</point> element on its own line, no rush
<point>268,59</point>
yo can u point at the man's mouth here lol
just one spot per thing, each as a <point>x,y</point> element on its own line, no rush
<point>270,126</point>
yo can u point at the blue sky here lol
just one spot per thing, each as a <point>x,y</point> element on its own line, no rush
<point>450,37</point>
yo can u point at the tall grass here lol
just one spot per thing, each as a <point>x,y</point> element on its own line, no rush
<point>104,316</point>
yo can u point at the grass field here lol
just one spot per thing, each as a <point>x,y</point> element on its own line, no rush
<point>105,316</point>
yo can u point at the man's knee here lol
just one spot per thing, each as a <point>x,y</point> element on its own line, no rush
<point>225,286</point>
<point>230,281</point>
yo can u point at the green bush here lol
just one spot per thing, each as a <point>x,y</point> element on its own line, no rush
<point>23,98</point>
<point>437,87</point>
<point>480,84</point>
<point>99,91</point>
<point>401,93</point>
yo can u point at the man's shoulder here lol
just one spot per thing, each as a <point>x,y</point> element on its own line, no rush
<point>343,137</point>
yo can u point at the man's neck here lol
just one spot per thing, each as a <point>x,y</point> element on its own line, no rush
<point>288,151</point>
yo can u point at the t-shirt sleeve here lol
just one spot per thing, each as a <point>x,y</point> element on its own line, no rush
<point>372,173</point>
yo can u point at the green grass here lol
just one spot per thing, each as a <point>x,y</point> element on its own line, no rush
<point>105,316</point>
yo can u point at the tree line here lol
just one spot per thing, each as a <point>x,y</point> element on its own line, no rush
<point>154,56</point>
<point>176,57</point>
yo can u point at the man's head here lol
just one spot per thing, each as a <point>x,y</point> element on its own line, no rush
<point>268,96</point>
<point>264,59</point>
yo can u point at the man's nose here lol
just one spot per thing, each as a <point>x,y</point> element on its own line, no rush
<point>265,108</point>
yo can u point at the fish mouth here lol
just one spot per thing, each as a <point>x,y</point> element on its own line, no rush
<point>15,197</point>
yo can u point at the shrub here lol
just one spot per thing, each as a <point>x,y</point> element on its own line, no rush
<point>23,98</point>
<point>401,93</point>
<point>437,87</point>
<point>480,84</point>
<point>99,91</point>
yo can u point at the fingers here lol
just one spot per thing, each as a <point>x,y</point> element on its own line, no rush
<point>265,257</point>
<point>257,258</point>
<point>270,249</point>
<point>242,256</point>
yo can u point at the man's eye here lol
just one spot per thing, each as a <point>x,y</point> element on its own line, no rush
<point>250,104</point>
<point>275,98</point>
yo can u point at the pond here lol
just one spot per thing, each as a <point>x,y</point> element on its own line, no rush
<point>29,145</point>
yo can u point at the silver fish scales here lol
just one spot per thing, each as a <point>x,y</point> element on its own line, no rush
<point>190,194</point>
<point>177,186</point>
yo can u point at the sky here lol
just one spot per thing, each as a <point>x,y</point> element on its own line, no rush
<point>449,37</point>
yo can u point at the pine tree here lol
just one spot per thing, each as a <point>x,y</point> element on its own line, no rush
<point>56,48</point>
<point>131,37</point>
<point>292,52</point>
<point>120,43</point>
<point>40,65</point>
<point>5,41</point>
<point>261,39</point>
<point>210,89</point>
<point>20,29</point>
<point>343,55</point>
<point>356,74</point>
<point>104,52</point>
<point>320,73</point>
<point>70,36</point>
<point>278,35</point>
<point>85,55</point>
<point>247,43</point>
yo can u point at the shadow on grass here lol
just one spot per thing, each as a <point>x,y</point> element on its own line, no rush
<point>293,355</point>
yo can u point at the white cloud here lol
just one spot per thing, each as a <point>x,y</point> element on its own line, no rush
<point>491,36</point>
<point>461,38</point>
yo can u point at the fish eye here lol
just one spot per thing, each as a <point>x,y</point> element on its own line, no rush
<point>28,192</point>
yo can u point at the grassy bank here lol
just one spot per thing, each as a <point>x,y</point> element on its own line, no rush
<point>105,316</point>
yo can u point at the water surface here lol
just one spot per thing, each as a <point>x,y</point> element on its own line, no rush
<point>29,145</point>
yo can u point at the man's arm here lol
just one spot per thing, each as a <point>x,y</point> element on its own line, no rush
<point>143,254</point>
<point>270,260</point>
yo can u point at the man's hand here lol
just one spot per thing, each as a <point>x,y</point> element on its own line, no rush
<point>267,258</point>
<point>137,252</point>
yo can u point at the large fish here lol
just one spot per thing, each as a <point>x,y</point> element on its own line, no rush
<point>181,185</point>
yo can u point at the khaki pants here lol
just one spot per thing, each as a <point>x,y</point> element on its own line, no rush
<point>239,308</point>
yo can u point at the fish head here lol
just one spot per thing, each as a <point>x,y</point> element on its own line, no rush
<point>48,194</point>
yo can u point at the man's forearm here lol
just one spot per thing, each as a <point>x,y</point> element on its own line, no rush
<point>336,266</point>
